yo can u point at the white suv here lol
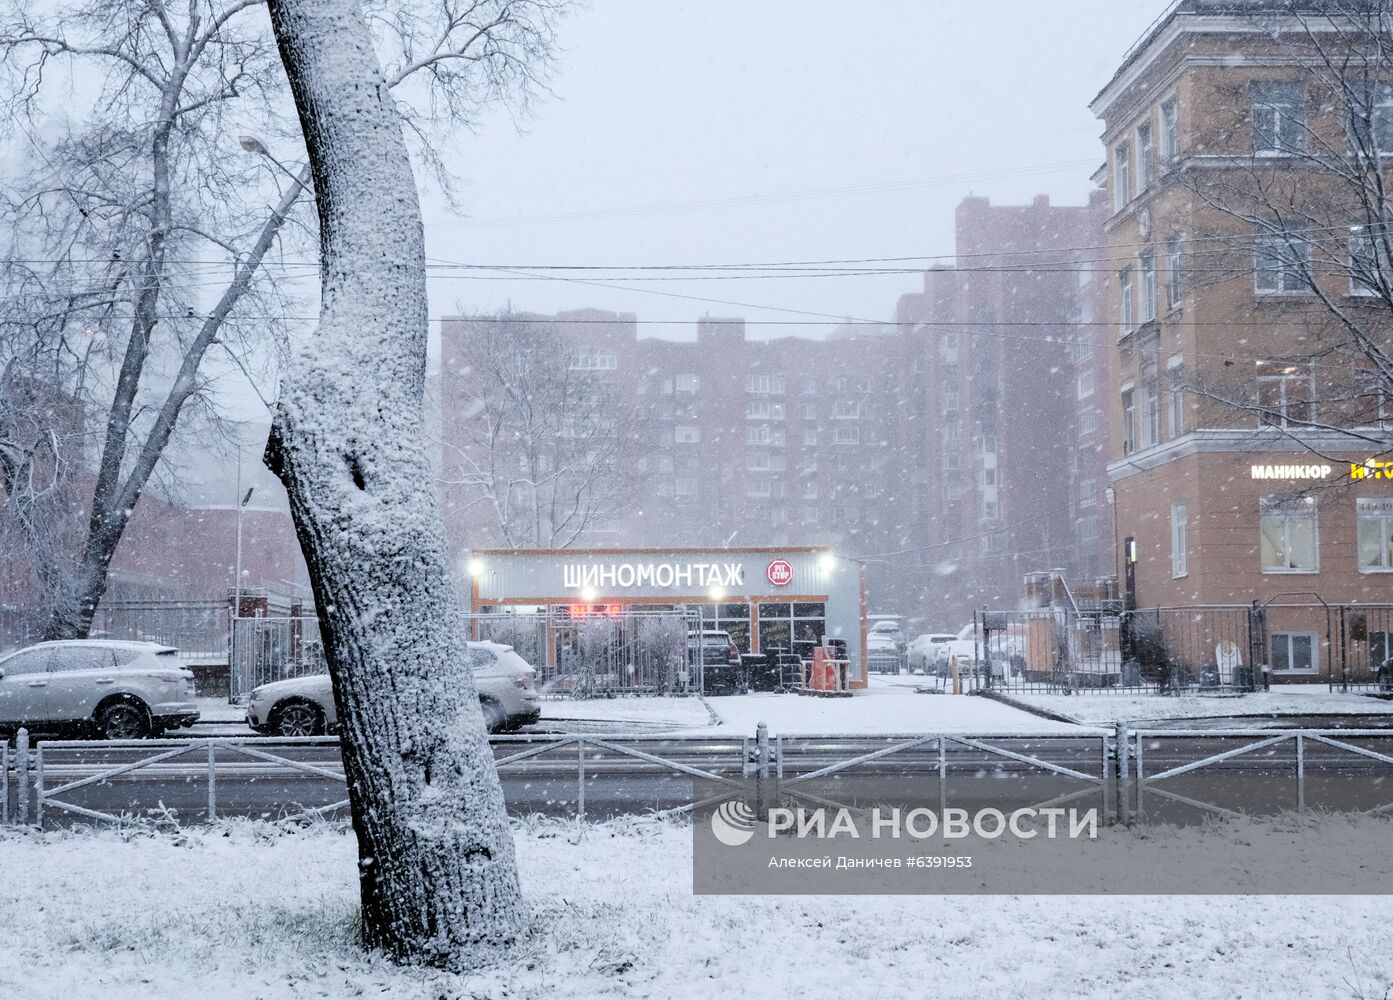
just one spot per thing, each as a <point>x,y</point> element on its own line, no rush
<point>304,706</point>
<point>120,690</point>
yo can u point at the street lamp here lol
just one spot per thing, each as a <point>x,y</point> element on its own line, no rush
<point>256,147</point>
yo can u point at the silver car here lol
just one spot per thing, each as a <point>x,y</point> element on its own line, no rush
<point>305,706</point>
<point>120,690</point>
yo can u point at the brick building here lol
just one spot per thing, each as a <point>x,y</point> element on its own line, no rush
<point>1008,403</point>
<point>1236,414</point>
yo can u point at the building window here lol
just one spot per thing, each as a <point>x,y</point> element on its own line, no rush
<point>1175,287</point>
<point>1286,393</point>
<point>757,461</point>
<point>846,409</point>
<point>809,439</point>
<point>1294,653</point>
<point>758,434</point>
<point>1279,117</point>
<point>687,382</point>
<point>1371,127</point>
<point>1128,316</point>
<point>686,434</point>
<point>1281,262</point>
<point>1122,175</point>
<point>1150,414</point>
<point>1369,265</point>
<point>1170,131</point>
<point>1129,422</point>
<point>686,487</point>
<point>758,486</point>
<point>1375,519</point>
<point>1180,540</point>
<point>847,435</point>
<point>1146,157</point>
<point>1085,383</point>
<point>764,383</point>
<point>1289,535</point>
<point>1088,492</point>
<point>589,358</point>
<point>762,409</point>
<point>1148,287</point>
<point>1176,414</point>
<point>1088,420</point>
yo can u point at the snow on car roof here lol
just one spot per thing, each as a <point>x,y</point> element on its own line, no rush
<point>109,643</point>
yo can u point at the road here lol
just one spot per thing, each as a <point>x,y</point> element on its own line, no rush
<point>541,774</point>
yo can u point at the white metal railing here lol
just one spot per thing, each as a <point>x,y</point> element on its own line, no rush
<point>1133,747</point>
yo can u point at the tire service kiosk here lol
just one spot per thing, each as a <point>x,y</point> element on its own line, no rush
<point>767,599</point>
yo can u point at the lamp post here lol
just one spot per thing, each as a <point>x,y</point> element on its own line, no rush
<point>1110,495</point>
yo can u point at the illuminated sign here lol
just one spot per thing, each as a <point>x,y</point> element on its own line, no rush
<point>780,572</point>
<point>1372,470</point>
<point>664,576</point>
<point>1292,471</point>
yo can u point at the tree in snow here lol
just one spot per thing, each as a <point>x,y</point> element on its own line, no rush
<point>1304,216</point>
<point>544,446</point>
<point>436,862</point>
<point>138,235</point>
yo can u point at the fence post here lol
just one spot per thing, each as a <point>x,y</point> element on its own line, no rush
<point>762,783</point>
<point>39,785</point>
<point>4,782</point>
<point>1124,774</point>
<point>1109,813</point>
<point>22,775</point>
<point>580,781</point>
<point>1301,773</point>
<point>212,782</point>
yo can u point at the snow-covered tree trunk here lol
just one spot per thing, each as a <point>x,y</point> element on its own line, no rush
<point>437,868</point>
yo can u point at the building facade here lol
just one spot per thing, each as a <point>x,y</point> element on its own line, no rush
<point>1243,449</point>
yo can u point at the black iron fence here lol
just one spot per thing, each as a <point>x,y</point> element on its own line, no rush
<point>1204,649</point>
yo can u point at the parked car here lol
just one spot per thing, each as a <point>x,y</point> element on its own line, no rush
<point>115,690</point>
<point>714,653</point>
<point>304,706</point>
<point>882,654</point>
<point>924,650</point>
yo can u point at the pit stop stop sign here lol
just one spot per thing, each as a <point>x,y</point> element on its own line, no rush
<point>780,573</point>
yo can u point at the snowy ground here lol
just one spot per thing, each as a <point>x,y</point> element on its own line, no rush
<point>1293,699</point>
<point>250,912</point>
<point>889,706</point>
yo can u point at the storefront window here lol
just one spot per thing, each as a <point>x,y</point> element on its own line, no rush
<point>733,619</point>
<point>1289,535</point>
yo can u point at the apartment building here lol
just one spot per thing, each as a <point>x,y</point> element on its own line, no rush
<point>1009,378</point>
<point>1246,430</point>
<point>732,440</point>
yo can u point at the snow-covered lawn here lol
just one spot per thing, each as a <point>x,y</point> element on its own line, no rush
<point>888,706</point>
<point>249,912</point>
<point>675,713</point>
<point>1292,699</point>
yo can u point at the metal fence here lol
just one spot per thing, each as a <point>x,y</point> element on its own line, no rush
<point>199,629</point>
<point>1163,650</point>
<point>270,649</point>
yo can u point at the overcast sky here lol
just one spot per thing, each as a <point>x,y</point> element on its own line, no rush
<point>720,131</point>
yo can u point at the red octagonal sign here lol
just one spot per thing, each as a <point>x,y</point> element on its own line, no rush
<point>780,573</point>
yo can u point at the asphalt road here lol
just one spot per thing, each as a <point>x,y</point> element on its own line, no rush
<point>548,781</point>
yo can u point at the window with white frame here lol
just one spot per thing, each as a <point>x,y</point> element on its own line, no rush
<point>848,435</point>
<point>1286,393</point>
<point>1370,269</point>
<point>809,438</point>
<point>1122,175</point>
<point>686,434</point>
<point>1295,653</point>
<point>687,382</point>
<point>1281,262</point>
<point>846,409</point>
<point>809,385</point>
<point>1371,120</point>
<point>1279,116</point>
<point>1148,287</point>
<point>763,409</point>
<point>591,358</point>
<point>1170,131</point>
<point>1088,420</point>
<point>1124,280</point>
<point>758,434</point>
<point>758,486</point>
<point>1085,383</point>
<point>764,383</point>
<point>1180,540</point>
<point>1146,157</point>
<point>1175,415</point>
<point>1150,414</point>
<point>1175,286</point>
<point>1289,535</point>
<point>1375,519</point>
<point>1129,422</point>
<point>757,461</point>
